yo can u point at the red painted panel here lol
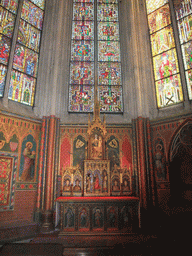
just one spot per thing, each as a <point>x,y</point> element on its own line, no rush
<point>65,153</point>
<point>127,153</point>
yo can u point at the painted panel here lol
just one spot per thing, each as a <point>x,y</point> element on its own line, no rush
<point>111,99</point>
<point>81,98</point>
<point>10,5</point>
<point>29,36</point>
<point>65,153</point>
<point>22,88</point>
<point>84,218</point>
<point>32,14</point>
<point>162,40</point>
<point>112,217</point>
<point>189,82</point>
<point>184,9</point>
<point>79,145</point>
<point>83,11</point>
<point>152,5</point>
<point>169,91</point>
<point>113,151</point>
<point>25,60</point>
<point>27,162</point>
<point>127,154</point>
<point>165,64</point>
<point>8,164</point>
<point>108,51</point>
<point>108,30</point>
<point>109,73</point>
<point>98,218</point>
<point>82,73</point>
<point>159,160</point>
<point>107,12</point>
<point>39,3</point>
<point>185,29</point>
<point>159,19</point>
<point>5,46</point>
<point>82,51</point>
<point>3,72</point>
<point>83,30</point>
<point>7,22</point>
<point>69,217</point>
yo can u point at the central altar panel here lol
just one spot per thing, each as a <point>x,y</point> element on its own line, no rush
<point>96,178</point>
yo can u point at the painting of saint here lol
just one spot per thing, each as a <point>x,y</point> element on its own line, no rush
<point>97,186</point>
<point>77,186</point>
<point>125,187</point>
<point>97,218</point>
<point>160,162</point>
<point>112,217</point>
<point>67,186</point>
<point>83,218</point>
<point>69,218</point>
<point>96,147</point>
<point>105,181</point>
<point>88,182</point>
<point>115,186</point>
<point>29,157</point>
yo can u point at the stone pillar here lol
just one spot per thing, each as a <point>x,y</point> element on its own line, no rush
<point>47,173</point>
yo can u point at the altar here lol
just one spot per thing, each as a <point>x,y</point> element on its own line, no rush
<point>98,215</point>
<point>97,199</point>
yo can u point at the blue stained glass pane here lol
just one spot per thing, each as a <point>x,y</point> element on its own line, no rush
<point>83,1</point>
<point>5,46</point>
<point>32,14</point>
<point>110,98</point>
<point>3,72</point>
<point>39,3</point>
<point>82,50</point>
<point>7,22</point>
<point>184,9</point>
<point>10,5</point>
<point>82,73</point>
<point>109,73</point>
<point>108,31</point>
<point>107,12</point>
<point>108,51</point>
<point>83,30</point>
<point>81,98</point>
<point>83,11</point>
<point>29,36</point>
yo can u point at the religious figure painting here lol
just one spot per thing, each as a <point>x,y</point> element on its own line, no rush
<point>112,216</point>
<point>84,219</point>
<point>96,147</point>
<point>97,218</point>
<point>115,186</point>
<point>125,187</point>
<point>96,178</point>
<point>27,162</point>
<point>69,220</point>
<point>160,160</point>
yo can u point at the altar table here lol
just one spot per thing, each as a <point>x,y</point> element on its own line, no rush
<point>97,215</point>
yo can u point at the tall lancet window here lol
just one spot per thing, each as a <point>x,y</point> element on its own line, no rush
<point>165,61</point>
<point>26,55</point>
<point>184,21</point>
<point>8,11</point>
<point>95,57</point>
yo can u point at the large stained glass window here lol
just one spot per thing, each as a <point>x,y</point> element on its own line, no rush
<point>95,56</point>
<point>8,11</point>
<point>184,22</point>
<point>165,62</point>
<point>25,62</point>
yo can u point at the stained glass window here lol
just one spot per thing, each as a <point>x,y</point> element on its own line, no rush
<point>25,61</point>
<point>165,61</point>
<point>184,22</point>
<point>8,10</point>
<point>86,52</point>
